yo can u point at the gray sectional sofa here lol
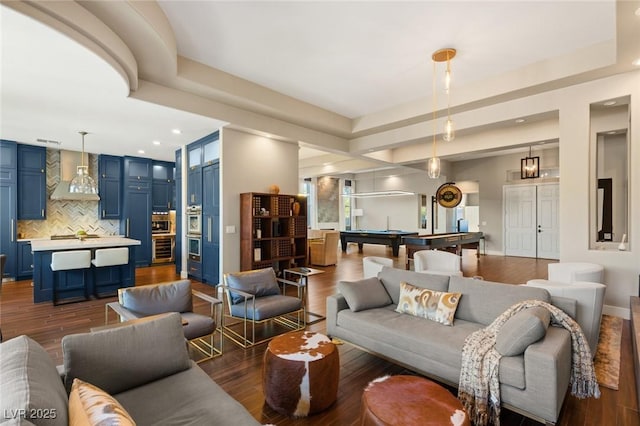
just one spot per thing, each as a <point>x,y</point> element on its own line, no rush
<point>145,366</point>
<point>533,383</point>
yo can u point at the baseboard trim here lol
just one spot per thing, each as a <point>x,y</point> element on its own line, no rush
<point>617,311</point>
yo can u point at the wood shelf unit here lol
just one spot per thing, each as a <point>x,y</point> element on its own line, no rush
<point>269,227</point>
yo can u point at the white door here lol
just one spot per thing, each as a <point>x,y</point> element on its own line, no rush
<point>531,221</point>
<point>520,221</point>
<point>548,214</point>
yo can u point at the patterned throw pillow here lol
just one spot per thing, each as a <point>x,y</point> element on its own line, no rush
<point>90,405</point>
<point>424,303</point>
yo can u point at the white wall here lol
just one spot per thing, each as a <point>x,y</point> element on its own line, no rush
<point>576,187</point>
<point>250,163</point>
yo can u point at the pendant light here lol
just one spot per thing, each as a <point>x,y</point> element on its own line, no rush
<point>530,167</point>
<point>82,183</point>
<point>442,55</point>
<point>449,133</point>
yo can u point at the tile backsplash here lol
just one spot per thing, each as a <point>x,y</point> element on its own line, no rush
<point>66,217</point>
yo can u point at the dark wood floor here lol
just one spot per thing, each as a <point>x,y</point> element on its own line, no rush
<point>239,371</point>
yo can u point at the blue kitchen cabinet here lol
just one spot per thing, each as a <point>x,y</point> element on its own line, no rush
<point>32,182</point>
<point>8,205</point>
<point>194,186</point>
<point>137,168</point>
<point>110,186</point>
<point>8,155</point>
<point>201,153</point>
<point>137,206</point>
<point>178,206</point>
<point>136,222</point>
<point>163,186</point>
<point>210,258</point>
<point>25,260</point>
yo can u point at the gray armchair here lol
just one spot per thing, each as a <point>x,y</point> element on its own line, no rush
<point>199,330</point>
<point>254,297</point>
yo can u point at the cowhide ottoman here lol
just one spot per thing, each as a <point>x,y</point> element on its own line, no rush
<point>300,373</point>
<point>408,401</point>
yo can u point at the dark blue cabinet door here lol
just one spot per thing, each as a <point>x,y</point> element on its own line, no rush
<point>178,207</point>
<point>161,195</point>
<point>137,223</point>
<point>163,183</point>
<point>8,205</point>
<point>194,186</point>
<point>8,154</point>
<point>110,166</point>
<point>8,224</point>
<point>25,260</point>
<point>136,168</point>
<point>211,223</point>
<point>32,182</point>
<point>110,186</point>
<point>110,194</point>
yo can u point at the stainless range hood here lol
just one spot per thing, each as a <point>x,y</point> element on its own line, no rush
<point>69,160</point>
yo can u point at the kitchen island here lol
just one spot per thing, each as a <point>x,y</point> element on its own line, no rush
<point>76,282</point>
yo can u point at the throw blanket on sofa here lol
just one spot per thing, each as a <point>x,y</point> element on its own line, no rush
<point>479,387</point>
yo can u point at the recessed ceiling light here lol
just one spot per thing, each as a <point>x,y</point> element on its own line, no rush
<point>520,120</point>
<point>141,151</point>
<point>176,131</point>
<point>638,11</point>
<point>609,103</point>
<point>156,142</point>
<point>636,62</point>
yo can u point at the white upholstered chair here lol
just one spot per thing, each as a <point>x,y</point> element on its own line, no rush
<point>371,265</point>
<point>437,262</point>
<point>568,272</point>
<point>582,282</point>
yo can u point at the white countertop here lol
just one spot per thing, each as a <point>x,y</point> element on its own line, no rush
<point>74,244</point>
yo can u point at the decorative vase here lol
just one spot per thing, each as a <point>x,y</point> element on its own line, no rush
<point>296,208</point>
<point>274,189</point>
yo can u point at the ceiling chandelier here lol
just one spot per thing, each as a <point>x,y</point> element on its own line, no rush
<point>82,183</point>
<point>442,55</point>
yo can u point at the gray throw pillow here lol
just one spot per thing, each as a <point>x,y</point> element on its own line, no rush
<point>364,294</point>
<point>524,328</point>
<point>260,283</point>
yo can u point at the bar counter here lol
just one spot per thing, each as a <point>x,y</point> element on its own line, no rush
<point>105,280</point>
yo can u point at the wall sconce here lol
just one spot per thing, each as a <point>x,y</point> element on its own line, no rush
<point>529,167</point>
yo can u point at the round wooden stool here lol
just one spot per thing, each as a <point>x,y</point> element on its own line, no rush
<point>408,401</point>
<point>300,373</point>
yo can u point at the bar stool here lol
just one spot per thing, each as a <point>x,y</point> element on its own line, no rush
<point>109,257</point>
<point>69,261</point>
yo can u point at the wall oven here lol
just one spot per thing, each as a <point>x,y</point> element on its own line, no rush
<point>194,243</point>
<point>194,220</point>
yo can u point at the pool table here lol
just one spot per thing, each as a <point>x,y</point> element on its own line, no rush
<point>391,238</point>
<point>452,240</point>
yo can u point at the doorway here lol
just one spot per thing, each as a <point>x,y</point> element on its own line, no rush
<point>531,220</point>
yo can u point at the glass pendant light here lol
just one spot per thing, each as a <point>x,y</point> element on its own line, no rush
<point>442,55</point>
<point>449,127</point>
<point>433,165</point>
<point>82,183</point>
